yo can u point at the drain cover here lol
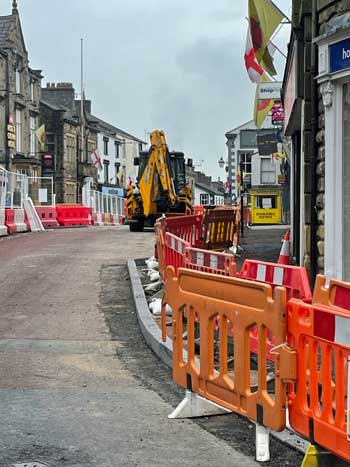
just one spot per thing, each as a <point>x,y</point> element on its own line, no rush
<point>30,464</point>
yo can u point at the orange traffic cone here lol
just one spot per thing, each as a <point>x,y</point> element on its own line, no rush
<point>284,254</point>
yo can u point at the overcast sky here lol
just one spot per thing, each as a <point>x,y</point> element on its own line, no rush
<point>175,65</point>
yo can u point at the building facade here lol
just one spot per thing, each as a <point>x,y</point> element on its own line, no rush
<point>117,150</point>
<point>316,102</point>
<point>262,179</point>
<point>71,138</point>
<point>19,100</point>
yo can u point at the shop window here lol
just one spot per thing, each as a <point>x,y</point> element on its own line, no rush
<point>346,184</point>
<point>265,202</point>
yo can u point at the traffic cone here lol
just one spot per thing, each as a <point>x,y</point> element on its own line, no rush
<point>284,254</point>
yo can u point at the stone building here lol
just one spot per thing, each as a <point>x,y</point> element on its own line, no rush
<point>70,151</point>
<point>317,112</point>
<point>19,100</point>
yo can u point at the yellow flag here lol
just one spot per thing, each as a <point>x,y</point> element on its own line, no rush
<point>264,17</point>
<point>40,134</point>
<point>262,107</point>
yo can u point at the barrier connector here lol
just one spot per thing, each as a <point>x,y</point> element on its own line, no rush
<point>315,456</point>
<point>286,363</point>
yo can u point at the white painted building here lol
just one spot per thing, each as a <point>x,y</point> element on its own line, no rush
<point>117,150</point>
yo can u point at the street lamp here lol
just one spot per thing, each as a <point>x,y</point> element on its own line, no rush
<point>221,163</point>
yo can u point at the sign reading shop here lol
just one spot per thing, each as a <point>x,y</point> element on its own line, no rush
<point>339,56</point>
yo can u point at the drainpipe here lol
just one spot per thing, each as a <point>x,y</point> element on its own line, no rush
<point>314,130</point>
<point>7,112</point>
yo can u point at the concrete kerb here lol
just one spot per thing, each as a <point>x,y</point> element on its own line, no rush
<point>150,330</point>
<point>153,337</point>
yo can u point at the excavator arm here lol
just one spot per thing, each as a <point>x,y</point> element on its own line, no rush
<point>157,168</point>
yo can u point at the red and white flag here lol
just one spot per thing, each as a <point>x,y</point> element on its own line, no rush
<point>96,159</point>
<point>254,70</point>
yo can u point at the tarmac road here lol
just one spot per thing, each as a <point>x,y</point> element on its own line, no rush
<point>78,385</point>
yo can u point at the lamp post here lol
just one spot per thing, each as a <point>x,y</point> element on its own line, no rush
<point>222,164</point>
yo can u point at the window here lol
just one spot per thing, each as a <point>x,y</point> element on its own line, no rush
<point>32,91</point>
<point>18,130</point>
<point>91,146</point>
<point>117,146</point>
<point>248,138</point>
<point>70,148</point>
<point>267,171</point>
<point>266,202</point>
<point>33,140</point>
<point>246,163</point>
<point>140,147</point>
<point>70,195</point>
<point>105,171</point>
<point>346,184</point>
<point>18,82</point>
<point>105,146</point>
<point>50,143</point>
<point>204,199</point>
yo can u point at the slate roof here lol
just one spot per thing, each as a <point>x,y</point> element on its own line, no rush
<point>7,25</point>
<point>113,129</point>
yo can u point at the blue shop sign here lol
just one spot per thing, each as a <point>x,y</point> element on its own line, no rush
<point>339,56</point>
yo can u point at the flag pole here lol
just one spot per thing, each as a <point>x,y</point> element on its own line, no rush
<point>82,98</point>
<point>284,15</point>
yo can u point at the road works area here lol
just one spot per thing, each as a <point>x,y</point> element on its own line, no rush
<point>79,386</point>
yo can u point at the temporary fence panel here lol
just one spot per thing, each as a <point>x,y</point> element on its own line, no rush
<point>222,372</point>
<point>175,249</point>
<point>319,404</point>
<point>16,190</point>
<point>220,228</point>
<point>41,190</point>
<point>188,228</point>
<point>3,188</point>
<point>293,278</point>
<point>210,261</point>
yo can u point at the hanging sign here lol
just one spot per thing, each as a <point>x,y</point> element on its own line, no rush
<point>11,133</point>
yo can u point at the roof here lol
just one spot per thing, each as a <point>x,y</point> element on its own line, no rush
<point>209,189</point>
<point>243,126</point>
<point>113,129</point>
<point>9,25</point>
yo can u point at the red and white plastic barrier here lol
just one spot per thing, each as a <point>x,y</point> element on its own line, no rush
<point>20,220</point>
<point>3,228</point>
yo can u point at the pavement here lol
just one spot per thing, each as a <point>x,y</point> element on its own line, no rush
<point>78,386</point>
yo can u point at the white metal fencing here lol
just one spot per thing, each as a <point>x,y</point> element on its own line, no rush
<point>15,188</point>
<point>102,203</point>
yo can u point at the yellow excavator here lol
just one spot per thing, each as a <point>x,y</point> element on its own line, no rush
<point>161,186</point>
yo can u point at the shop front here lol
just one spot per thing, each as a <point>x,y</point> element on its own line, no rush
<point>334,83</point>
<point>266,206</point>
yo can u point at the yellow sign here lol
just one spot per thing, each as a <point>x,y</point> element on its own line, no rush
<point>11,136</point>
<point>266,216</point>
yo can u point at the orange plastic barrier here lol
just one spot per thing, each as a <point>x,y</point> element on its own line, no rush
<point>210,261</point>
<point>318,402</point>
<point>10,221</point>
<point>198,209</point>
<point>220,228</point>
<point>293,278</point>
<point>48,216</point>
<point>70,215</point>
<point>175,249</point>
<point>160,246</point>
<point>239,305</point>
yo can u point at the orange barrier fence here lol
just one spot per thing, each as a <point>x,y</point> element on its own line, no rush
<point>160,246</point>
<point>198,209</point>
<point>210,261</point>
<point>293,278</point>
<point>10,221</point>
<point>238,306</point>
<point>319,404</point>
<point>220,228</point>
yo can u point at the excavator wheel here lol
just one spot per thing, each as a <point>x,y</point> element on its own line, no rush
<point>136,226</point>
